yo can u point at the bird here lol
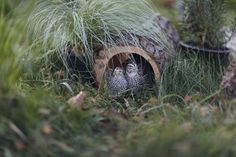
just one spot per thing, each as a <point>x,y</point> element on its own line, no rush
<point>116,81</point>
<point>134,76</point>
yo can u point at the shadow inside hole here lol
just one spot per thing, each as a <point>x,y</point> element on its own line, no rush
<point>80,69</point>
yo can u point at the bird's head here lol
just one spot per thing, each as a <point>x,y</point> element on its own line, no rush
<point>118,72</point>
<point>131,69</point>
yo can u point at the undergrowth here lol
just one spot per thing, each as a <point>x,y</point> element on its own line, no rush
<point>180,116</point>
<point>191,73</point>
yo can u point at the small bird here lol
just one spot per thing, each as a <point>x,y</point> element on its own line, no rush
<point>134,76</point>
<point>116,81</point>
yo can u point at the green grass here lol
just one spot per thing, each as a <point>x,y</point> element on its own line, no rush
<point>191,74</point>
<point>56,23</point>
<point>181,116</point>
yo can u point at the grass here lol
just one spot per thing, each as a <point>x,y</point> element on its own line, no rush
<point>181,116</point>
<point>56,23</point>
<point>190,74</point>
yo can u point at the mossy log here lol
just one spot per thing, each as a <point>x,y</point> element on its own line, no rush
<point>158,56</point>
<point>121,53</point>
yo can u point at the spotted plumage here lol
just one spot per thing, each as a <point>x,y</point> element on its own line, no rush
<point>134,76</point>
<point>116,81</point>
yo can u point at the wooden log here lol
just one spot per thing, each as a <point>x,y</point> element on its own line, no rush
<point>102,62</point>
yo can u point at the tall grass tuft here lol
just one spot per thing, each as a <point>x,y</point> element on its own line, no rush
<point>55,23</point>
<point>191,74</point>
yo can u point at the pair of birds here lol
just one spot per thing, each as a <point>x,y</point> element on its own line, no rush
<point>121,80</point>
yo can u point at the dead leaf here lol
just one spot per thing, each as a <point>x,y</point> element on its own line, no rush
<point>78,100</point>
<point>47,129</point>
<point>187,98</point>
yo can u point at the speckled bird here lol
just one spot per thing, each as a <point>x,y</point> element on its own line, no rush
<point>116,82</point>
<point>134,76</point>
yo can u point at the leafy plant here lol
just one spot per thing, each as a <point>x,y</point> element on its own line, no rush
<point>203,20</point>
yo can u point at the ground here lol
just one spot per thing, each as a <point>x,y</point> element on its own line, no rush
<point>184,114</point>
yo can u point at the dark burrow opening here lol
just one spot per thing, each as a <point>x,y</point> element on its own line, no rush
<point>121,60</point>
<point>79,68</point>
